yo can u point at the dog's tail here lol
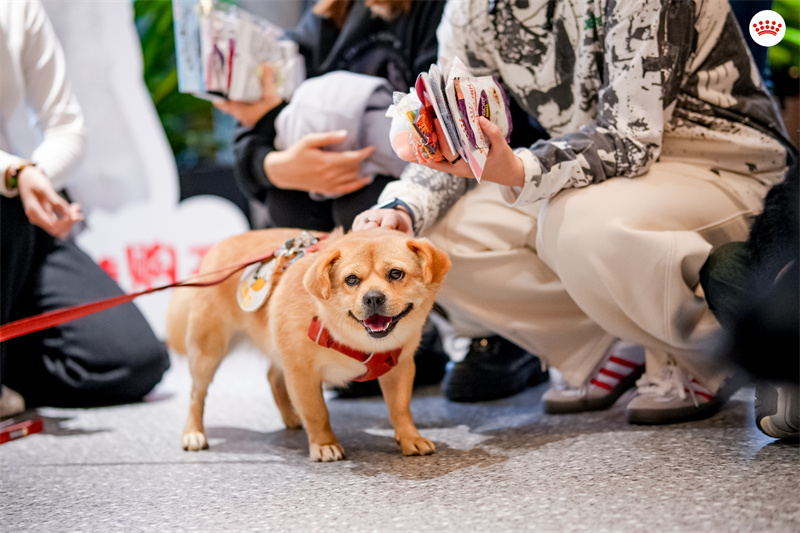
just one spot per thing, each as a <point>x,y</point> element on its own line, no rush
<point>178,319</point>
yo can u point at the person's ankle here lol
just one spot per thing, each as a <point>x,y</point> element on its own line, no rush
<point>11,402</point>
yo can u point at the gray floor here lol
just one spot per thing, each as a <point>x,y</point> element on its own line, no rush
<point>499,466</point>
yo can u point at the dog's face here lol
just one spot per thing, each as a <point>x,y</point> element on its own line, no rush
<point>376,287</point>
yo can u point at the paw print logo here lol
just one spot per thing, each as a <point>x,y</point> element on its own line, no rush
<point>767,28</point>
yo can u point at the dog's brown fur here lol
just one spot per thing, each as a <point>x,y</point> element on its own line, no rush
<point>201,322</point>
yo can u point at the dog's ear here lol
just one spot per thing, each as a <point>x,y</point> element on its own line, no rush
<point>434,262</point>
<point>317,280</point>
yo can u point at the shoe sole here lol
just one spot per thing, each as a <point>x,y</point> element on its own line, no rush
<point>672,416</point>
<point>594,404</point>
<point>687,413</point>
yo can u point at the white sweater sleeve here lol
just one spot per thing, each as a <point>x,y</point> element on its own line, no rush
<point>48,94</point>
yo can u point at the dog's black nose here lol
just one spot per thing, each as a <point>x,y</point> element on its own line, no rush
<point>374,300</point>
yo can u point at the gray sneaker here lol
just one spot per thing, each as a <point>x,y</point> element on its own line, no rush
<point>674,396</point>
<point>617,372</point>
<point>778,410</point>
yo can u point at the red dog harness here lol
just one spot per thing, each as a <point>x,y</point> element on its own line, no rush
<point>377,363</point>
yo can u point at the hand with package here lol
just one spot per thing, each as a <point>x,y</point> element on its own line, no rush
<point>502,165</point>
<point>248,113</point>
<point>460,124</point>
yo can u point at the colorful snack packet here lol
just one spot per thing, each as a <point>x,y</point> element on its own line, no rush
<point>458,107</point>
<point>469,98</point>
<point>405,135</point>
<point>428,149</point>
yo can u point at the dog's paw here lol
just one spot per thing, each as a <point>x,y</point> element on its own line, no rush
<point>194,441</point>
<point>326,453</point>
<point>417,446</point>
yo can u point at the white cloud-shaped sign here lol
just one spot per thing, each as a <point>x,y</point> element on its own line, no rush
<point>148,245</point>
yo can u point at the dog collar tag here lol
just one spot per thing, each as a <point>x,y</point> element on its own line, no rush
<point>254,286</point>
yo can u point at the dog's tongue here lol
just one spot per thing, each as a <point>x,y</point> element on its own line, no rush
<point>378,322</point>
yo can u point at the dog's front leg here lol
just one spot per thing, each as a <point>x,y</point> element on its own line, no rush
<point>397,386</point>
<point>203,365</point>
<point>305,391</point>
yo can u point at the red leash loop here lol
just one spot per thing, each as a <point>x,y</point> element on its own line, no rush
<point>32,324</point>
<point>24,326</point>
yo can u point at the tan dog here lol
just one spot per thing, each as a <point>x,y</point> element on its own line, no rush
<point>370,291</point>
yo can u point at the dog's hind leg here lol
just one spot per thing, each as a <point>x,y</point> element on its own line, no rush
<point>305,390</point>
<point>397,386</point>
<point>282,400</point>
<point>206,352</point>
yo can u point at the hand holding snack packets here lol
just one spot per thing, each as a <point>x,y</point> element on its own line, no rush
<point>457,104</point>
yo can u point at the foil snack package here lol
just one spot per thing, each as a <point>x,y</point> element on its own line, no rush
<point>457,103</point>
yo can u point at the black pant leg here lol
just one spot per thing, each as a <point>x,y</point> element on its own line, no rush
<point>22,245</point>
<point>295,209</point>
<point>109,357</point>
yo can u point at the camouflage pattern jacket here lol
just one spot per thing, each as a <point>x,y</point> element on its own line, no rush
<point>617,85</point>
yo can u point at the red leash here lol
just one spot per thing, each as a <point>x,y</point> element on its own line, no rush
<point>57,317</point>
<point>50,319</point>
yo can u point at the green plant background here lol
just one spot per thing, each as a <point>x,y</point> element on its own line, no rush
<point>784,57</point>
<point>188,121</point>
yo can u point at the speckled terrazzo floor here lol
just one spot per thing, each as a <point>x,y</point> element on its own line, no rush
<point>500,466</point>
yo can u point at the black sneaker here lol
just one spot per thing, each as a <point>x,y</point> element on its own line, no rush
<point>430,361</point>
<point>493,368</point>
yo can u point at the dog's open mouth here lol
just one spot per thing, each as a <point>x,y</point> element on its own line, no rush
<point>379,326</point>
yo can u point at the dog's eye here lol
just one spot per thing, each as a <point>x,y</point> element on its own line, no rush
<point>352,280</point>
<point>396,274</point>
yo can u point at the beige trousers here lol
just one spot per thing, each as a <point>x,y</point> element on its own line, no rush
<point>618,259</point>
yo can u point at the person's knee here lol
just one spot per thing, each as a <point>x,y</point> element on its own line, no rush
<point>61,381</point>
<point>574,231</point>
<point>126,375</point>
<point>151,367</point>
<point>133,381</point>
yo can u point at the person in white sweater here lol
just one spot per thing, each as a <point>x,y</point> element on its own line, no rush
<point>105,358</point>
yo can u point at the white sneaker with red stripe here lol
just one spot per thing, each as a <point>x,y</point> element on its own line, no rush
<point>617,372</point>
<point>674,396</point>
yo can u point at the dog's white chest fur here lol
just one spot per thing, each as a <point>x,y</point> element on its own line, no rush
<point>338,369</point>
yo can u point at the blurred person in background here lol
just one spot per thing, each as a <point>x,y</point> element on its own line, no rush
<point>393,40</point>
<point>110,357</point>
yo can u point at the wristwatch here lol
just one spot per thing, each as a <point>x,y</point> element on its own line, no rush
<point>393,203</point>
<point>13,172</point>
